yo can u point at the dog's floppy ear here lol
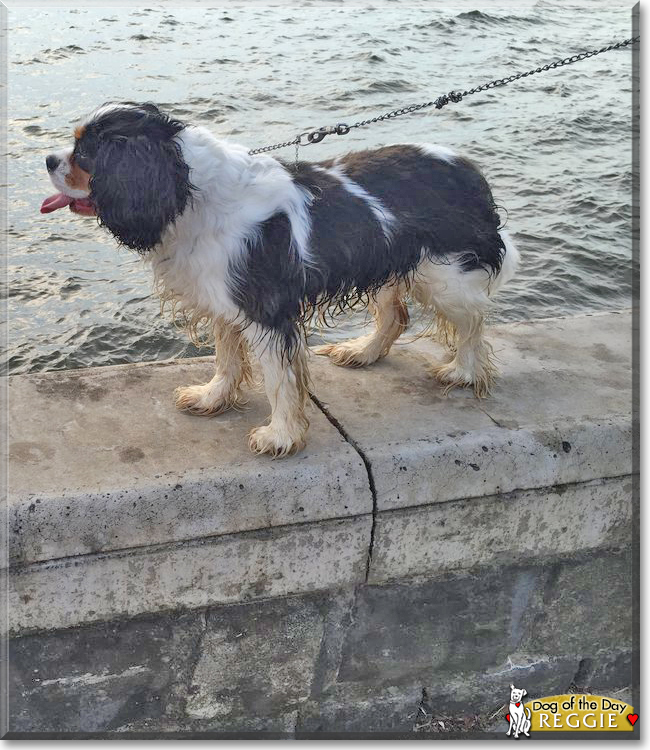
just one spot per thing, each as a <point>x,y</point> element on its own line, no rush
<point>140,184</point>
<point>524,692</point>
<point>512,687</point>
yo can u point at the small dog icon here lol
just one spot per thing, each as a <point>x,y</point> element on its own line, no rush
<point>519,717</point>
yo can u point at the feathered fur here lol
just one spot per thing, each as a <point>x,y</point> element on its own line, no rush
<point>261,246</point>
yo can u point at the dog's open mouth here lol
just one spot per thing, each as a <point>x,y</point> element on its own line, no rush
<point>83,206</point>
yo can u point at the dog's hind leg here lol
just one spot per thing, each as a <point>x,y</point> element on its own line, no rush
<point>459,300</point>
<point>391,319</point>
<point>286,382</point>
<point>232,371</point>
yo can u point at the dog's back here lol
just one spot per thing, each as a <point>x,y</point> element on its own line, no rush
<point>374,218</point>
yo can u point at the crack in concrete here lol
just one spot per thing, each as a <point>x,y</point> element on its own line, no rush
<point>366,462</point>
<point>498,424</point>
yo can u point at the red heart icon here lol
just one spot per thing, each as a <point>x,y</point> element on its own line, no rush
<point>507,717</point>
<point>517,704</point>
<point>633,718</point>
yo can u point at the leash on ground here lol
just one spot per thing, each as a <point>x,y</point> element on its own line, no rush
<point>310,137</point>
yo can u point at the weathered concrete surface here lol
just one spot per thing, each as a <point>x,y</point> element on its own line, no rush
<point>519,526</point>
<point>560,413</point>
<point>231,568</point>
<point>352,660</point>
<point>101,460</point>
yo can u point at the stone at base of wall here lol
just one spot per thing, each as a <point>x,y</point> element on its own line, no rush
<point>352,660</point>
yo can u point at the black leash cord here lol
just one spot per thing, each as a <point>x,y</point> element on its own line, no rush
<point>316,136</point>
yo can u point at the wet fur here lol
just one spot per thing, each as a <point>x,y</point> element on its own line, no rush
<point>256,248</point>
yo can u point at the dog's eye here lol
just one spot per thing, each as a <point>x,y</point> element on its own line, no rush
<point>82,160</point>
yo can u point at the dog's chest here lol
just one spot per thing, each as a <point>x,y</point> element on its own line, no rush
<point>194,271</point>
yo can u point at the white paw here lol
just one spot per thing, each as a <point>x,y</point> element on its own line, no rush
<point>205,400</point>
<point>351,354</point>
<point>453,375</point>
<point>277,443</point>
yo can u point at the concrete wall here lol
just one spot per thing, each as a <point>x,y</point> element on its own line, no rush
<point>422,553</point>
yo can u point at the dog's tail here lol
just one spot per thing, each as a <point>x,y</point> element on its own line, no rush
<point>527,712</point>
<point>509,264</point>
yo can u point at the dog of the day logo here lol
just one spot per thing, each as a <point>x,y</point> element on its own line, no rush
<point>566,713</point>
<point>518,716</point>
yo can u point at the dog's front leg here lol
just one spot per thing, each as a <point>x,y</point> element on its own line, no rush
<point>286,384</point>
<point>232,371</point>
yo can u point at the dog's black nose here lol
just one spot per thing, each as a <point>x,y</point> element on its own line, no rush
<point>52,162</point>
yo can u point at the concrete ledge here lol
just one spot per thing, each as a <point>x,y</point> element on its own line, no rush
<point>101,460</point>
<point>231,568</point>
<point>506,529</point>
<point>120,506</point>
<point>560,413</point>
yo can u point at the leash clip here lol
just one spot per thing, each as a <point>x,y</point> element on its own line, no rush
<point>316,136</point>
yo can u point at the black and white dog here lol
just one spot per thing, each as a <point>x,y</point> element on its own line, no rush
<point>257,248</point>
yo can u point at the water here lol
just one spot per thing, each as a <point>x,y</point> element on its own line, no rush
<point>555,147</point>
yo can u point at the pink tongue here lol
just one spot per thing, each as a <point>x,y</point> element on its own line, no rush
<point>55,201</point>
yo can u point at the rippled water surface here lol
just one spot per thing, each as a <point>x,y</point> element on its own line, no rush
<point>555,147</point>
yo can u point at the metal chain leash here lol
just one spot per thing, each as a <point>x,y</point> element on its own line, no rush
<point>316,136</point>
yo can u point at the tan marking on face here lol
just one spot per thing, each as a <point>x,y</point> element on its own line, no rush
<point>79,131</point>
<point>77,178</point>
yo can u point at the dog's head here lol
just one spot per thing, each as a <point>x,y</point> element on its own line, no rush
<point>516,694</point>
<point>126,167</point>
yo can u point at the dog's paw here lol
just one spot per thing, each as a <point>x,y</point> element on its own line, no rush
<point>276,443</point>
<point>205,400</point>
<point>453,375</point>
<point>351,354</point>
